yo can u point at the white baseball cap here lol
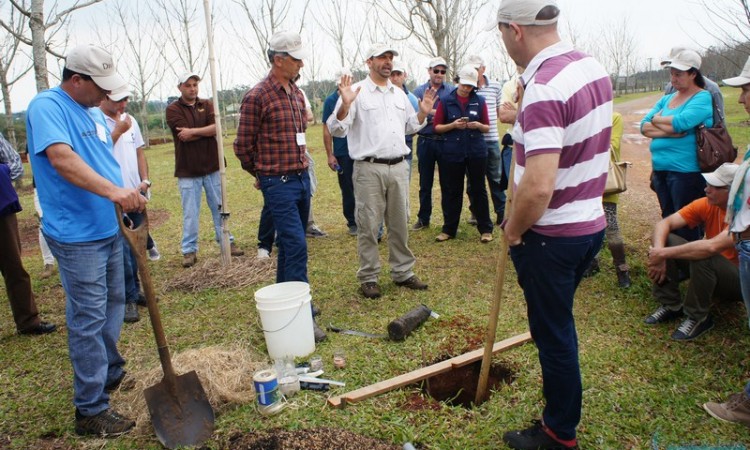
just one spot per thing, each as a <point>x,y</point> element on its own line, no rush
<point>379,49</point>
<point>184,76</point>
<point>120,93</point>
<point>398,66</point>
<point>288,42</point>
<point>341,71</point>
<point>722,176</point>
<point>524,12</point>
<point>95,62</point>
<point>685,59</point>
<point>476,61</point>
<point>438,61</point>
<point>742,79</point>
<point>468,75</point>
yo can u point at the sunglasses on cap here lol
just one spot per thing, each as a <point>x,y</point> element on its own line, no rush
<point>439,71</point>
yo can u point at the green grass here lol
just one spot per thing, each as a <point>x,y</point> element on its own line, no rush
<point>637,381</point>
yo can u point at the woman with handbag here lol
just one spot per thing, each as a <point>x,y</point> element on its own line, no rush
<point>612,232</point>
<point>671,123</point>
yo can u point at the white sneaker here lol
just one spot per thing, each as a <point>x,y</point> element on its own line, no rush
<point>263,253</point>
<point>153,254</point>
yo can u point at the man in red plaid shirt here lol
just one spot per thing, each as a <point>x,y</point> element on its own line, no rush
<point>271,146</point>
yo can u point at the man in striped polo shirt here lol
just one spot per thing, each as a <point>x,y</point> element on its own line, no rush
<point>556,224</point>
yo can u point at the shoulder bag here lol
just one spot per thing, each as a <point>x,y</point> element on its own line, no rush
<point>616,176</point>
<point>714,146</point>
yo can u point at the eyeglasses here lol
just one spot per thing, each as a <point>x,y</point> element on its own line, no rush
<point>439,71</point>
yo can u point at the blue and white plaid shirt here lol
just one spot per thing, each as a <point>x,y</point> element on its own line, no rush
<point>9,156</point>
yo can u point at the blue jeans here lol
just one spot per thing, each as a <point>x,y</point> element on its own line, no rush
<point>498,165</point>
<point>132,283</point>
<point>743,252</point>
<point>288,198</point>
<point>675,190</point>
<point>94,311</point>
<point>428,151</point>
<point>191,190</point>
<point>266,230</point>
<point>549,270</point>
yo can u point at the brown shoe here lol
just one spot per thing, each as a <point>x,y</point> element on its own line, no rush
<point>442,237</point>
<point>189,259</point>
<point>370,289</point>
<point>412,283</point>
<point>235,250</point>
<point>736,409</point>
<point>48,271</point>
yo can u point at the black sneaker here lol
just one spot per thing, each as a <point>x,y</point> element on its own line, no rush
<point>114,384</point>
<point>690,329</point>
<point>592,269</point>
<point>535,438</point>
<point>105,424</point>
<point>662,314</point>
<point>131,313</point>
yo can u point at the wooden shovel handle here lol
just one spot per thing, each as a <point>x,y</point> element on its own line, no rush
<point>137,238</point>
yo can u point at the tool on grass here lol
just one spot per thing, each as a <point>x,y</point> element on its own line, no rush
<point>179,408</point>
<point>398,329</point>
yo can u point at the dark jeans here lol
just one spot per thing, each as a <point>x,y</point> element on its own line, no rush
<point>428,151</point>
<point>675,190</point>
<point>347,188</point>
<point>452,193</point>
<point>288,199</point>
<point>130,263</point>
<point>266,230</point>
<point>549,270</point>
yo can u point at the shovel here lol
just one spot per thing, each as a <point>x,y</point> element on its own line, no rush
<point>179,408</point>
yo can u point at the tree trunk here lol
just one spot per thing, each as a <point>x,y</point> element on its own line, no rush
<point>10,131</point>
<point>39,51</point>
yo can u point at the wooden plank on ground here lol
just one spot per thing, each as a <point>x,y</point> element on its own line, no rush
<point>425,372</point>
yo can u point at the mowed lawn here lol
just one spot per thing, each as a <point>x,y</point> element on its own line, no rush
<point>640,387</point>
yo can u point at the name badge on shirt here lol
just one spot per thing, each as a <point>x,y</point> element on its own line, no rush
<point>101,132</point>
<point>301,139</point>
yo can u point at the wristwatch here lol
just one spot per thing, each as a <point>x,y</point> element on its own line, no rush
<point>147,181</point>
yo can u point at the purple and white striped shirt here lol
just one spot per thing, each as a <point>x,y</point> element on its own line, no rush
<point>567,109</point>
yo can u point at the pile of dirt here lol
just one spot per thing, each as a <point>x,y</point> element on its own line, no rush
<point>312,439</point>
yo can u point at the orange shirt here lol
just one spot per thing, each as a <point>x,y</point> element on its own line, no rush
<point>712,217</point>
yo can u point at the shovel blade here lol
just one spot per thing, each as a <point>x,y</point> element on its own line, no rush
<point>180,412</point>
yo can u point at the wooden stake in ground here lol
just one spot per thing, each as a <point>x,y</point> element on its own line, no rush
<point>224,211</point>
<point>423,373</point>
<point>502,262</point>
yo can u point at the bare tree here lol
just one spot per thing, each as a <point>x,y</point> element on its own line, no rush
<point>439,27</point>
<point>42,32</point>
<point>728,22</point>
<point>343,22</point>
<point>144,68</point>
<point>179,22</point>
<point>9,75</point>
<point>618,48</point>
<point>264,21</point>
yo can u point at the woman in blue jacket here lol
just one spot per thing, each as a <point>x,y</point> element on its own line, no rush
<point>461,117</point>
<point>671,124</point>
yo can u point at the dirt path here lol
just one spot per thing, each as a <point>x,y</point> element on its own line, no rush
<point>638,207</point>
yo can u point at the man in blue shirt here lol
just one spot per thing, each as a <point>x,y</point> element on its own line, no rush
<point>338,158</point>
<point>398,77</point>
<point>429,143</point>
<point>78,180</point>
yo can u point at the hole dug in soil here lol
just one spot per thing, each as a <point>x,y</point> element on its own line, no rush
<point>458,387</point>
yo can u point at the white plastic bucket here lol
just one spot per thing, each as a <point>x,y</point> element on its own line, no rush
<point>286,319</point>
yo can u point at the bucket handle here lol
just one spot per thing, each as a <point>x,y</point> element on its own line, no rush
<point>288,323</point>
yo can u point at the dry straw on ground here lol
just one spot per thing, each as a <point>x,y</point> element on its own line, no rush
<point>211,273</point>
<point>226,375</point>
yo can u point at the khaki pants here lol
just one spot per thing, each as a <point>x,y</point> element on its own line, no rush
<point>381,192</point>
<point>712,277</point>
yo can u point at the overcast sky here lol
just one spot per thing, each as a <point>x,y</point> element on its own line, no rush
<point>657,25</point>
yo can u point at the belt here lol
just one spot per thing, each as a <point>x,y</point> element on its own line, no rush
<point>293,173</point>
<point>390,162</point>
<point>741,236</point>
